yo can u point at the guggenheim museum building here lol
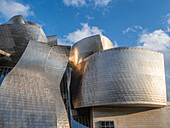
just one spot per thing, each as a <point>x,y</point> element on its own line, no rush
<point>91,84</point>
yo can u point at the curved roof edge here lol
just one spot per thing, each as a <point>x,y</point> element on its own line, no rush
<point>121,48</point>
<point>150,105</point>
<point>88,46</point>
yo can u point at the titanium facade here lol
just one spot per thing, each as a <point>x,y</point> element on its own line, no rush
<point>52,39</point>
<point>49,85</point>
<point>14,37</point>
<point>30,94</point>
<point>88,46</point>
<point>124,76</point>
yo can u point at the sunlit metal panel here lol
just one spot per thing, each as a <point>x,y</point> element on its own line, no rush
<point>30,93</point>
<point>14,37</point>
<point>88,46</point>
<point>121,76</point>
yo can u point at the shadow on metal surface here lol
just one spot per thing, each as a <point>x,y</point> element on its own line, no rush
<point>30,94</point>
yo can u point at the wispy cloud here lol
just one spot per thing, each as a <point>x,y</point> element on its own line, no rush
<point>89,17</point>
<point>115,44</point>
<point>10,8</point>
<point>80,3</point>
<point>76,3</point>
<point>102,2</point>
<point>79,34</point>
<point>166,19</point>
<point>168,22</point>
<point>133,29</point>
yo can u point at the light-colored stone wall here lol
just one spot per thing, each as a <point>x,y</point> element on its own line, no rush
<point>133,117</point>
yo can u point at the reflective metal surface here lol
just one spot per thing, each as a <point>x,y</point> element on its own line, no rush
<point>52,39</point>
<point>30,94</point>
<point>14,37</point>
<point>120,76</point>
<point>87,47</point>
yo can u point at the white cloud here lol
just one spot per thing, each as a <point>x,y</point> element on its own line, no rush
<point>80,3</point>
<point>89,17</point>
<point>79,34</point>
<point>102,2</point>
<point>10,8</point>
<point>168,29</point>
<point>133,29</point>
<point>168,18</point>
<point>84,32</point>
<point>166,21</point>
<point>157,40</point>
<point>127,30</point>
<point>62,41</point>
<point>115,44</point>
<point>76,3</point>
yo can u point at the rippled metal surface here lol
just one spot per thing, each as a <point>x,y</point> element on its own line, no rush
<point>30,94</point>
<point>101,75</point>
<point>52,39</point>
<point>87,47</point>
<point>120,76</point>
<point>14,37</point>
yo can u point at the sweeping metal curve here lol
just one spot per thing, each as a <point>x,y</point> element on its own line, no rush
<point>121,77</point>
<point>30,93</point>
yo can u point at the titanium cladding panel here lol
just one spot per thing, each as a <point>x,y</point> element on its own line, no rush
<point>14,37</point>
<point>30,94</point>
<point>88,46</point>
<point>122,77</point>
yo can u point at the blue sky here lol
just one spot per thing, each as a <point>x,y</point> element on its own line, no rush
<point>141,23</point>
<point>111,17</point>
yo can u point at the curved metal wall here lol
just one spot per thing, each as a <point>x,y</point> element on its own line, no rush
<point>14,37</point>
<point>120,76</point>
<point>30,93</point>
<point>88,46</point>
